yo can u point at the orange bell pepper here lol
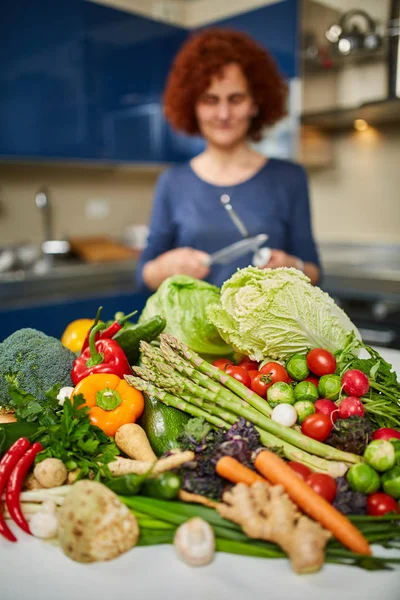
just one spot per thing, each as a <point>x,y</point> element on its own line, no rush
<point>112,401</point>
<point>75,334</point>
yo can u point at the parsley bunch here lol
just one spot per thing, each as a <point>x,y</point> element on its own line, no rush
<point>66,432</point>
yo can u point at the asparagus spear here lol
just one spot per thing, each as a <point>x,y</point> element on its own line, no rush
<point>236,405</point>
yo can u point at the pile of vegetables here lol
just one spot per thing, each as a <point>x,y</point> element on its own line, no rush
<point>287,417</point>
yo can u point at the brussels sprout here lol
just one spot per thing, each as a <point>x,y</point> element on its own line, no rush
<point>305,390</point>
<point>380,455</point>
<point>297,367</point>
<point>362,478</point>
<point>329,386</point>
<point>280,393</point>
<point>304,409</point>
<point>391,482</point>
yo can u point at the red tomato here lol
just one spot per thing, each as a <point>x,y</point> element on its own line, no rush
<point>386,433</point>
<point>312,379</point>
<point>253,373</point>
<point>275,372</point>
<point>260,385</point>
<point>238,373</point>
<point>379,504</point>
<point>317,426</point>
<point>301,470</point>
<point>249,365</point>
<point>321,362</point>
<point>323,484</point>
<point>221,363</point>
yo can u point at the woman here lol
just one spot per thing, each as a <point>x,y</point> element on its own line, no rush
<point>224,86</point>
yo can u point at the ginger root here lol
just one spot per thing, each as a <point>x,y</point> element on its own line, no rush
<point>266,512</point>
<point>125,466</point>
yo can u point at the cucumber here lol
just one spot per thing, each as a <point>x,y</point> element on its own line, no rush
<point>162,424</point>
<point>129,337</point>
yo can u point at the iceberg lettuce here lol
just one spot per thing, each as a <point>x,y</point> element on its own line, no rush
<point>274,313</point>
<point>182,301</point>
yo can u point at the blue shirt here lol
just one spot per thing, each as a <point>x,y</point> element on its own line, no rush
<point>187,211</point>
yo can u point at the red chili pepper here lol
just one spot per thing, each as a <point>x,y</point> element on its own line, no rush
<point>103,356</point>
<point>14,485</point>
<point>7,465</point>
<point>115,327</point>
<point>96,320</point>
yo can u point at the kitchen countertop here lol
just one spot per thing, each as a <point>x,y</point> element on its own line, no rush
<point>65,281</point>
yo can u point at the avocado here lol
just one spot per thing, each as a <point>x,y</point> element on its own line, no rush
<point>162,424</point>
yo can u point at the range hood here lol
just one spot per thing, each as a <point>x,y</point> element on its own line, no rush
<point>352,44</point>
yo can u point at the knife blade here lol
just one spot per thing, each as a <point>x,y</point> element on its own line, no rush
<point>229,253</point>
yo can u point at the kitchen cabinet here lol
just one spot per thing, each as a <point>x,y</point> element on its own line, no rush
<point>43,108</point>
<point>127,60</point>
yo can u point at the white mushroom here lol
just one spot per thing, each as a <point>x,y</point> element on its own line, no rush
<point>43,524</point>
<point>195,542</point>
<point>51,472</point>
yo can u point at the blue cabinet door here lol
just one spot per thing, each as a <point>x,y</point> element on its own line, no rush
<point>127,60</point>
<point>43,102</point>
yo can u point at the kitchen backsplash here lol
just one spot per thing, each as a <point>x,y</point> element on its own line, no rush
<point>84,200</point>
<point>354,200</point>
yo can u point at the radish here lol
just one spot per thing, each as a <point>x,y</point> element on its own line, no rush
<point>327,407</point>
<point>350,407</point>
<point>355,383</point>
<point>386,433</point>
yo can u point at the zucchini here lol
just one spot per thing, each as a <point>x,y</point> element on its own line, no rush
<point>129,338</point>
<point>164,487</point>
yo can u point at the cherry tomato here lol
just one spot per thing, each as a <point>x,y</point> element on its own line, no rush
<point>323,484</point>
<point>249,365</point>
<point>379,504</point>
<point>253,373</point>
<point>275,372</point>
<point>301,470</point>
<point>312,379</point>
<point>317,426</point>
<point>221,363</point>
<point>238,373</point>
<point>260,385</point>
<point>321,362</point>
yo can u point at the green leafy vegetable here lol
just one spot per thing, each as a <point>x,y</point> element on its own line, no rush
<point>66,432</point>
<point>382,402</point>
<point>182,301</point>
<point>277,313</point>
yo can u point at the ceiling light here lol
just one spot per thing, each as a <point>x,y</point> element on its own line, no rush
<point>361,125</point>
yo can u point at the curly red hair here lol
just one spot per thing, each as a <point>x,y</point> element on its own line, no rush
<point>203,56</point>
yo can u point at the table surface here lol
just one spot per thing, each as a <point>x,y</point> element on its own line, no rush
<point>36,570</point>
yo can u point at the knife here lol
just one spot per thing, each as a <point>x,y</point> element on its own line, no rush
<point>229,253</point>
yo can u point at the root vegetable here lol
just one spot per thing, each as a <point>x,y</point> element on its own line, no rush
<point>231,469</point>
<point>195,542</point>
<point>196,499</point>
<point>51,472</point>
<point>31,483</point>
<point>273,468</point>
<point>125,466</point>
<point>94,525</point>
<point>133,441</point>
<point>265,512</point>
<point>43,524</point>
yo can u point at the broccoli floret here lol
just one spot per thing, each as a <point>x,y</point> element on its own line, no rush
<point>33,362</point>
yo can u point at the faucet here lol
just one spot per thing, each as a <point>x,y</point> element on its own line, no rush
<point>43,204</point>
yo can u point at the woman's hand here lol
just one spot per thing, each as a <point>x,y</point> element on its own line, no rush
<point>180,261</point>
<point>279,258</point>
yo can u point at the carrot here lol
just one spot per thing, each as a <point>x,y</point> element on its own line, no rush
<point>278,472</point>
<point>231,469</point>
